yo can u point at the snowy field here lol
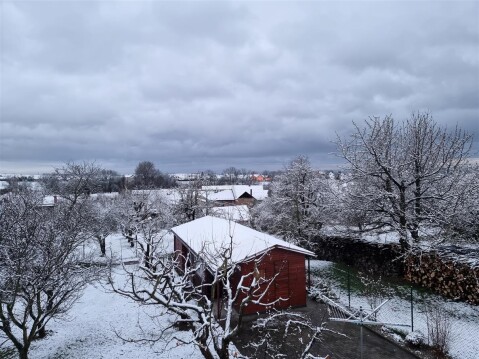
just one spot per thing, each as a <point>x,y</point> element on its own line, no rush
<point>464,318</point>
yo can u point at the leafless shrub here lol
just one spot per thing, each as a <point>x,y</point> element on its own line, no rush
<point>374,289</point>
<point>438,330</point>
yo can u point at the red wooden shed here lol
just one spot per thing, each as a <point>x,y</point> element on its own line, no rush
<point>202,238</point>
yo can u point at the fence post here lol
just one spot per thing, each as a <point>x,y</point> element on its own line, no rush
<point>412,311</point>
<point>309,273</point>
<point>349,287</point>
<point>361,331</point>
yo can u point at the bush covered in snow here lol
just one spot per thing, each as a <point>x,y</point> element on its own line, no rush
<point>415,339</point>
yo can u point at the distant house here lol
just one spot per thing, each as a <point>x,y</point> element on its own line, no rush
<point>260,178</point>
<point>49,201</point>
<point>228,195</point>
<point>203,240</point>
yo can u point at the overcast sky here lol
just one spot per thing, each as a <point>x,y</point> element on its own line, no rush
<point>198,85</point>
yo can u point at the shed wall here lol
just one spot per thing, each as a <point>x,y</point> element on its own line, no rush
<point>289,284</point>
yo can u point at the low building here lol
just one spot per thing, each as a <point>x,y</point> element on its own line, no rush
<point>228,195</point>
<point>206,239</point>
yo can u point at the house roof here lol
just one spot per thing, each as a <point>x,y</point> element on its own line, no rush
<point>232,192</point>
<point>226,195</point>
<point>211,236</point>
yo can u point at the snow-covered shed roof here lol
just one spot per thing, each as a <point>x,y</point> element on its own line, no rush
<point>211,236</point>
<point>234,213</point>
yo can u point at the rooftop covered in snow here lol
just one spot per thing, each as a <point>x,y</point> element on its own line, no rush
<point>235,191</point>
<point>211,236</point>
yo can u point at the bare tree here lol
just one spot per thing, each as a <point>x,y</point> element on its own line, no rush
<point>409,174</point>
<point>103,221</point>
<point>295,209</point>
<point>192,201</point>
<point>79,179</point>
<point>147,176</point>
<point>41,270</point>
<point>246,176</point>
<point>142,216</point>
<point>209,178</point>
<point>110,181</point>
<point>231,175</point>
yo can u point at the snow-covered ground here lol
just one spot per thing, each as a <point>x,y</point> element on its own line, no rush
<point>464,318</point>
<point>91,328</point>
<point>118,248</point>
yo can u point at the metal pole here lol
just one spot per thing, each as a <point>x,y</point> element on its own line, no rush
<point>412,312</point>
<point>309,274</point>
<point>361,331</point>
<point>218,300</point>
<point>349,288</point>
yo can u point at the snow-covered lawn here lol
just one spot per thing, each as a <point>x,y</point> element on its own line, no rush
<point>90,331</point>
<point>91,327</point>
<point>118,248</point>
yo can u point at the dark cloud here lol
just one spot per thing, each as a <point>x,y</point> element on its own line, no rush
<point>196,85</point>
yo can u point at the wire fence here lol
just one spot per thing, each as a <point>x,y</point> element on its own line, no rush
<point>415,315</point>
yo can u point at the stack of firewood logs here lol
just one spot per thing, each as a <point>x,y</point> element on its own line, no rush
<point>444,275</point>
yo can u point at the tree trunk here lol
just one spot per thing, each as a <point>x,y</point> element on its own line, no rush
<point>102,241</point>
<point>403,219</point>
<point>206,352</point>
<point>41,333</point>
<point>49,294</point>
<point>147,258</point>
<point>23,353</point>
<point>223,352</point>
<point>417,206</point>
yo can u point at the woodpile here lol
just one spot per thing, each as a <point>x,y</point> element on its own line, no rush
<point>444,275</point>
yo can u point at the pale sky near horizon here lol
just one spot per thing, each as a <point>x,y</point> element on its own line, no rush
<point>195,85</point>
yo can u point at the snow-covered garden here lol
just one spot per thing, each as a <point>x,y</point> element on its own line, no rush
<point>103,324</point>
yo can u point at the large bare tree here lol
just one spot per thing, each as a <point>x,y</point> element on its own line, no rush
<point>147,176</point>
<point>42,272</point>
<point>295,210</point>
<point>103,219</point>
<point>409,175</point>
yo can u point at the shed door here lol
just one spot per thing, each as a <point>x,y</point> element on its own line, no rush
<point>281,285</point>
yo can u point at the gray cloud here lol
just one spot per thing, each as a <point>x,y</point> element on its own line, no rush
<point>196,85</point>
